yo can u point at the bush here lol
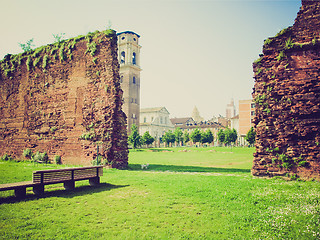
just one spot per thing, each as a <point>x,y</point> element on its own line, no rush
<point>40,157</point>
<point>98,161</point>
<point>57,159</point>
<point>27,153</point>
<point>6,157</point>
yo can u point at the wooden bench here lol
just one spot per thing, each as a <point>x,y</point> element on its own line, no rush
<point>67,176</point>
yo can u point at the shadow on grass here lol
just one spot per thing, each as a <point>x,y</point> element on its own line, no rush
<point>151,150</point>
<point>176,168</point>
<point>61,192</point>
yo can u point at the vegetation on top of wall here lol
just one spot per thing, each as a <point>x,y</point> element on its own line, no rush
<point>61,49</point>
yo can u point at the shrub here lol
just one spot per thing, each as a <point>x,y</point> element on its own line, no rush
<point>281,56</point>
<point>6,157</point>
<point>57,159</point>
<point>286,163</point>
<point>40,157</point>
<point>27,153</point>
<point>45,61</point>
<point>289,43</point>
<point>98,161</point>
<point>91,48</point>
<point>53,129</point>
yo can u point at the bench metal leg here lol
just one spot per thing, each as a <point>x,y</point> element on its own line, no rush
<point>38,190</point>
<point>20,192</point>
<point>69,185</point>
<point>94,181</point>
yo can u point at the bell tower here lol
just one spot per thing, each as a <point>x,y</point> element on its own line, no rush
<point>129,59</point>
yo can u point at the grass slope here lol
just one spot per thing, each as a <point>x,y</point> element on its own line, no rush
<point>176,198</point>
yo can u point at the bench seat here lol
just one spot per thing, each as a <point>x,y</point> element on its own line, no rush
<point>67,176</point>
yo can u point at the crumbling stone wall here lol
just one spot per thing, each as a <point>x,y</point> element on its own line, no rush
<point>64,98</point>
<point>287,97</point>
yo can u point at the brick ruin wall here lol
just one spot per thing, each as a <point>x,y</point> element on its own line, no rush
<point>64,98</point>
<point>287,97</point>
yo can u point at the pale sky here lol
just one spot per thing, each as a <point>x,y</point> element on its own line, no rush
<point>194,52</point>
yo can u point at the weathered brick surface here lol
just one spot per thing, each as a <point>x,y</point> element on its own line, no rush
<point>72,91</point>
<point>287,96</point>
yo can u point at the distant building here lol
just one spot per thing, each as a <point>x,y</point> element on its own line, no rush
<point>129,59</point>
<point>188,124</point>
<point>156,121</point>
<point>224,121</point>
<point>230,110</point>
<point>234,123</point>
<point>246,115</point>
<point>182,122</point>
<point>196,115</point>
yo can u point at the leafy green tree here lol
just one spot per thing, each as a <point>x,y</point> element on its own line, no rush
<point>221,136</point>
<point>251,136</point>
<point>203,138</point>
<point>27,46</point>
<point>186,137</point>
<point>230,136</point>
<point>196,135</point>
<point>147,138</point>
<point>178,135</point>
<point>134,138</point>
<point>209,136</point>
<point>234,136</point>
<point>227,136</point>
<point>168,137</point>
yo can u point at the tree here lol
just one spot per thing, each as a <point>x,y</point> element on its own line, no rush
<point>203,138</point>
<point>251,136</point>
<point>186,137</point>
<point>195,135</point>
<point>27,46</point>
<point>230,136</point>
<point>134,138</point>
<point>209,136</point>
<point>178,135</point>
<point>221,136</point>
<point>147,138</point>
<point>234,135</point>
<point>227,136</point>
<point>168,137</point>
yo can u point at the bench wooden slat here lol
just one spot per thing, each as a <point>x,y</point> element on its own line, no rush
<point>12,186</point>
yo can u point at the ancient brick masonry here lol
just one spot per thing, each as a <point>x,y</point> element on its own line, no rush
<point>287,97</point>
<point>64,98</point>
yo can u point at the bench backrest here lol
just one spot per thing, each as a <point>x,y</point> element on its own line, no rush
<point>66,174</point>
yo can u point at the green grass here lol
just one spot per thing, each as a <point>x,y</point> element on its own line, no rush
<point>176,198</point>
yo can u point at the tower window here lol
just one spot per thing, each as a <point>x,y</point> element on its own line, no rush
<point>134,62</point>
<point>121,79</point>
<point>123,38</point>
<point>134,39</point>
<point>123,56</point>
<point>145,119</point>
<point>134,80</point>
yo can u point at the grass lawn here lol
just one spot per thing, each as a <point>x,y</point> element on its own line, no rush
<point>197,193</point>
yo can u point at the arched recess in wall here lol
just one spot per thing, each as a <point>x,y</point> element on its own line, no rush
<point>122,57</point>
<point>134,59</point>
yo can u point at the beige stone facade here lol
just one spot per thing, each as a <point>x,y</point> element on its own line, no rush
<point>129,59</point>
<point>246,115</point>
<point>156,121</point>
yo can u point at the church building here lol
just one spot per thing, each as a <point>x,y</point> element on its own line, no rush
<point>129,59</point>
